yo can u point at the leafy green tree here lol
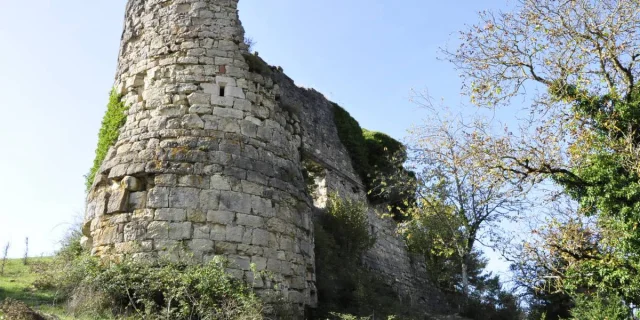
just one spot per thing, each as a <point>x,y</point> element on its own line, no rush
<point>457,194</point>
<point>580,57</point>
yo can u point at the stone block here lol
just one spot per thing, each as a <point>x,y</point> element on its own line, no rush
<point>182,197</point>
<point>226,81</point>
<point>192,121</point>
<point>228,113</point>
<point>211,88</point>
<point>234,233</point>
<point>201,232</point>
<point>234,92</point>
<point>219,182</point>
<point>252,188</point>
<point>171,214</point>
<point>200,110</point>
<point>201,245</point>
<point>235,201</point>
<point>196,215</point>
<point>249,220</point>
<point>199,98</point>
<point>259,262</point>
<point>209,199</point>
<point>166,180</point>
<point>137,200</point>
<point>118,201</point>
<point>132,184</point>
<point>220,217</point>
<point>143,215</point>
<point>225,247</point>
<point>193,181</point>
<point>249,250</point>
<point>158,230</point>
<point>260,238</point>
<point>222,101</point>
<point>134,231</point>
<point>218,233</point>
<point>158,197</point>
<point>241,262</point>
<point>180,230</point>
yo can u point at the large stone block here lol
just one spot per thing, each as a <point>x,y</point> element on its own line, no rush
<point>182,197</point>
<point>180,230</point>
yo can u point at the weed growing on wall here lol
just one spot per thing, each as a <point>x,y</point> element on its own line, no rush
<point>113,120</point>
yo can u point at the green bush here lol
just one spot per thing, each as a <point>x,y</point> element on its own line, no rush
<point>351,137</point>
<point>141,290</point>
<point>378,159</point>
<point>390,182</point>
<point>346,288</point>
<point>113,120</point>
<point>596,307</point>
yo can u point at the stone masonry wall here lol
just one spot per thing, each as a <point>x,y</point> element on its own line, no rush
<point>207,163</point>
<point>321,144</point>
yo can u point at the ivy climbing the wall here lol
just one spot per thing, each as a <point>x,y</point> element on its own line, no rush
<point>113,120</point>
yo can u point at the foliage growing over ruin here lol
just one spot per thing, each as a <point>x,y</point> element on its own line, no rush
<point>344,285</point>
<point>114,118</point>
<point>256,64</point>
<point>379,160</point>
<point>351,136</point>
<point>390,182</point>
<point>146,290</point>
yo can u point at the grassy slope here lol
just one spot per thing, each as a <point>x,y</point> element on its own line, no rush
<point>17,283</point>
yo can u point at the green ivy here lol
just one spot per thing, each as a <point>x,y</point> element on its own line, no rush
<point>350,134</point>
<point>113,120</point>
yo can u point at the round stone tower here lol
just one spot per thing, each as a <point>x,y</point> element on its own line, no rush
<point>207,162</point>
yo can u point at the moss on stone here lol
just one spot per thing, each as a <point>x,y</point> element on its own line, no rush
<point>114,118</point>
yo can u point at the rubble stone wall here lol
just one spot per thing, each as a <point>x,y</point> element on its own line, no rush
<point>321,144</point>
<point>206,164</point>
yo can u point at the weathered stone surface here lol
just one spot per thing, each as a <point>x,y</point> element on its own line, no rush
<point>208,161</point>
<point>132,184</point>
<point>118,200</point>
<point>170,214</point>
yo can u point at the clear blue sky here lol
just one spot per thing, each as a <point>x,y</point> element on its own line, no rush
<point>58,60</point>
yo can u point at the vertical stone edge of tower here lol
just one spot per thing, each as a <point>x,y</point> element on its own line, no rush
<point>207,163</point>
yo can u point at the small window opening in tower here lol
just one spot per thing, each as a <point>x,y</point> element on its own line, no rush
<point>222,89</point>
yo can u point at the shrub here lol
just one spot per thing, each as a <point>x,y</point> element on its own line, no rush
<point>173,290</point>
<point>145,290</point>
<point>113,120</point>
<point>351,137</point>
<point>596,307</point>
<point>378,159</point>
<point>256,64</point>
<point>390,183</point>
<point>344,284</point>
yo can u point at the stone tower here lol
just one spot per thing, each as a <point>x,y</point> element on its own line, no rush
<point>208,163</point>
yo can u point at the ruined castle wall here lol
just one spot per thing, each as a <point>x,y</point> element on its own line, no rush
<point>206,164</point>
<point>321,143</point>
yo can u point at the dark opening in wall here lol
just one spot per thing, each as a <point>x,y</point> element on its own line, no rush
<point>222,89</point>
